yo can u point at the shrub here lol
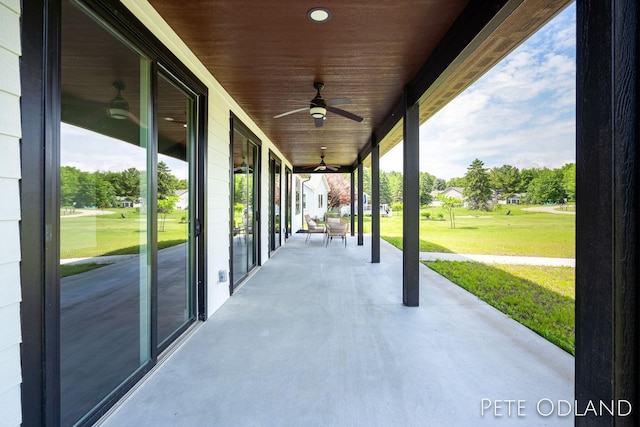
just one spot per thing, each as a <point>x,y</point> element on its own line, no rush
<point>426,215</point>
<point>396,206</point>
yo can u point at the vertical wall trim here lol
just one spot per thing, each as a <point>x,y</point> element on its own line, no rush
<point>607,175</point>
<point>411,205</point>
<point>33,77</point>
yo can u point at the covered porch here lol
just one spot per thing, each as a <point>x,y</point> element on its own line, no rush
<point>319,336</point>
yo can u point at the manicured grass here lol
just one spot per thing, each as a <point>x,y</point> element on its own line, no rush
<point>493,233</point>
<point>70,270</point>
<point>89,236</point>
<point>539,298</point>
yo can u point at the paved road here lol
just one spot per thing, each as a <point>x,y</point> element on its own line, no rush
<point>549,209</point>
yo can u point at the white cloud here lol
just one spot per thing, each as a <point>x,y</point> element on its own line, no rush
<point>522,112</point>
<point>91,151</point>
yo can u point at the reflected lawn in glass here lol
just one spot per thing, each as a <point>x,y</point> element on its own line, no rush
<point>115,233</point>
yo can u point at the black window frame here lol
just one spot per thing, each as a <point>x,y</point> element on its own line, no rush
<point>236,124</point>
<point>40,145</point>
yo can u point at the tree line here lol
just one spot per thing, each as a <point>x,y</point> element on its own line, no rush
<point>107,189</point>
<point>481,186</point>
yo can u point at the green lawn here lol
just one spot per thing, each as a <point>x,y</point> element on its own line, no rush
<point>492,233</point>
<point>541,298</point>
<point>113,234</point>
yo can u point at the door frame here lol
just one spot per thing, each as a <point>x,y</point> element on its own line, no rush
<point>236,124</point>
<point>39,237</point>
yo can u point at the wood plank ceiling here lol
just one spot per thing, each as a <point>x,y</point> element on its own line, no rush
<point>267,54</point>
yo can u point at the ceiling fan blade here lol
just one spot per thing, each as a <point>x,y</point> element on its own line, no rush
<point>338,101</point>
<point>320,168</point>
<point>133,118</point>
<point>319,122</point>
<point>344,113</point>
<point>333,167</point>
<point>291,112</point>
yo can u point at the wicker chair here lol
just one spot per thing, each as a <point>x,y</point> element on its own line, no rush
<point>313,228</point>
<point>336,228</point>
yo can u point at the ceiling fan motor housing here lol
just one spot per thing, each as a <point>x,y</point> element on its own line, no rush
<point>318,107</point>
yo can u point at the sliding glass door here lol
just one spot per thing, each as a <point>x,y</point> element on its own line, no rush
<point>246,166</point>
<point>275,205</point>
<point>175,175</point>
<point>126,199</point>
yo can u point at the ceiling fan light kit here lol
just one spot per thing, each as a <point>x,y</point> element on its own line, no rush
<point>317,112</point>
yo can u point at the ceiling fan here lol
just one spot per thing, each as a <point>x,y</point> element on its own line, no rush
<point>319,107</point>
<point>322,166</point>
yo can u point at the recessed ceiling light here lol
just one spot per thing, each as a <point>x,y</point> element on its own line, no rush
<point>323,148</point>
<point>319,14</point>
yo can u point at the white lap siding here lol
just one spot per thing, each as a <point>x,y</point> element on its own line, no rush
<point>10,335</point>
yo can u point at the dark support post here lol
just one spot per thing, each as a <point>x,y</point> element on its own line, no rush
<point>607,227</point>
<point>360,202</point>
<point>411,206</point>
<point>352,211</point>
<point>375,201</point>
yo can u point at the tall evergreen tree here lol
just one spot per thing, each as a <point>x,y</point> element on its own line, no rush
<point>505,180</point>
<point>478,189</point>
<point>426,187</point>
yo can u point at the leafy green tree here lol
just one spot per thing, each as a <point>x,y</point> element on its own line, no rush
<point>69,185</point>
<point>439,184</point>
<point>396,184</point>
<point>546,188</point>
<point>456,182</point>
<point>569,180</point>
<point>366,181</point>
<point>130,183</point>
<point>105,194</point>
<point>385,189</point>
<point>167,183</point>
<point>426,187</point>
<point>478,189</point>
<point>165,206</point>
<point>86,195</point>
<point>448,203</point>
<point>505,180</point>
<point>526,176</point>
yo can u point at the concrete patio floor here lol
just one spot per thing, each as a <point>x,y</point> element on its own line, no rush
<point>319,337</point>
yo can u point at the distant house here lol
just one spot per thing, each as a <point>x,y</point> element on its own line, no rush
<point>183,199</point>
<point>456,192</point>
<point>516,199</point>
<point>314,196</point>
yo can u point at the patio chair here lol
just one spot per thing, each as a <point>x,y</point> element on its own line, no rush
<point>313,228</point>
<point>336,228</point>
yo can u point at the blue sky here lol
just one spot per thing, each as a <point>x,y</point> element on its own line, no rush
<point>521,112</point>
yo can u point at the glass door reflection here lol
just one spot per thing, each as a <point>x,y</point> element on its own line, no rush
<point>175,283</point>
<point>245,218</point>
<point>105,279</point>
